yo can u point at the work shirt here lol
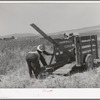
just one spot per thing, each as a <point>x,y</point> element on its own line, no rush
<point>33,56</point>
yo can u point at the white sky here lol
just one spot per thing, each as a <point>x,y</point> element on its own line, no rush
<point>50,17</point>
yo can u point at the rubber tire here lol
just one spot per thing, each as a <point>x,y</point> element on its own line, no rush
<point>89,60</point>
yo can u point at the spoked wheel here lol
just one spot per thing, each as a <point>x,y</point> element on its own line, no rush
<point>89,61</point>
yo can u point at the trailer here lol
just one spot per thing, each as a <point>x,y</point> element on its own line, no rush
<point>79,50</point>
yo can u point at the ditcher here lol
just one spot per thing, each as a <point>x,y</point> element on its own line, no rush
<point>82,50</point>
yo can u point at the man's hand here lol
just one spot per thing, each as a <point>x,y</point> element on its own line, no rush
<point>51,54</point>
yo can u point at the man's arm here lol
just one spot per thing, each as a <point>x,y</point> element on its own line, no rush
<point>47,53</point>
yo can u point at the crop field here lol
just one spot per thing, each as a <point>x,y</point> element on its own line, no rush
<point>14,69</point>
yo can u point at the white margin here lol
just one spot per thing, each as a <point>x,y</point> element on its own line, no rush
<point>49,1</point>
<point>46,94</point>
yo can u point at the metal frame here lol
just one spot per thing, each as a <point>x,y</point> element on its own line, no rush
<point>78,42</point>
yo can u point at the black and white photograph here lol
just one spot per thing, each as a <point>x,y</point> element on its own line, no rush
<point>50,45</point>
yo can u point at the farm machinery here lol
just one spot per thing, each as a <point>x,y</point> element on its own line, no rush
<point>79,49</point>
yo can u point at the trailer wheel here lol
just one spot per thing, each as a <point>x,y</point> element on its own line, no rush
<point>89,61</point>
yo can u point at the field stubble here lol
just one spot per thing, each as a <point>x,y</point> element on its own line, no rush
<point>14,70</point>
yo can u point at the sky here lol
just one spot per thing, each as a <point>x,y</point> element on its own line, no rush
<point>50,17</point>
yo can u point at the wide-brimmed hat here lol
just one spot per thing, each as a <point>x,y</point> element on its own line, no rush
<point>41,47</point>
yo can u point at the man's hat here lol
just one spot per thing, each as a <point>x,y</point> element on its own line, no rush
<point>41,47</point>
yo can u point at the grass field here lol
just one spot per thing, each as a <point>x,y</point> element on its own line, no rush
<point>14,70</point>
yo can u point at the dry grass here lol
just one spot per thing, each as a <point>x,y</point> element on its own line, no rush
<point>89,79</point>
<point>14,70</point>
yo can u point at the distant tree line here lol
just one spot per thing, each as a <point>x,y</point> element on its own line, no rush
<point>9,38</point>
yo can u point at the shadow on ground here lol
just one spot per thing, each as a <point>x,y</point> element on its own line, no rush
<point>81,69</point>
<point>73,71</point>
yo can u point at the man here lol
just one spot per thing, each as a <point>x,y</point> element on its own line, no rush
<point>33,58</point>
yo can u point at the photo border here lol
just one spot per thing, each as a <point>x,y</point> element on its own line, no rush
<point>49,93</point>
